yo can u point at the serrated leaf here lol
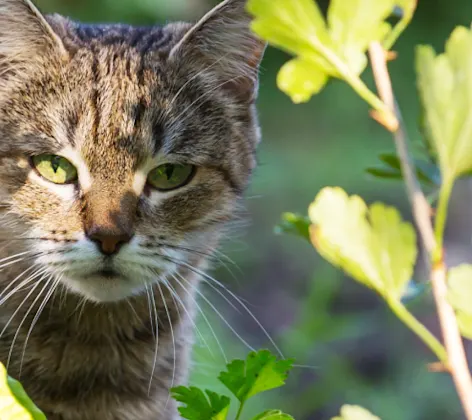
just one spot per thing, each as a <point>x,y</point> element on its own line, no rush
<point>324,49</point>
<point>371,244</point>
<point>445,87</point>
<point>355,412</point>
<point>14,402</point>
<point>354,24</point>
<point>260,372</point>
<point>294,224</point>
<point>199,406</point>
<point>273,415</point>
<point>460,296</point>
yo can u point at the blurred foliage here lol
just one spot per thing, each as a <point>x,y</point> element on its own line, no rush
<point>348,347</point>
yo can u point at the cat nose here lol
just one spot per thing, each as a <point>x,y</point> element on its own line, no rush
<point>109,242</point>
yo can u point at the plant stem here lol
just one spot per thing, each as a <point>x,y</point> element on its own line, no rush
<point>419,329</point>
<point>457,361</point>
<point>356,83</point>
<point>419,204</point>
<point>458,366</point>
<point>238,415</point>
<point>441,217</point>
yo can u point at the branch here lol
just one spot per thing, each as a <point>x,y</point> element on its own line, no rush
<point>457,361</point>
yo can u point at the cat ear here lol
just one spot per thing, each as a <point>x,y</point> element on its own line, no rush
<point>24,35</point>
<point>223,43</point>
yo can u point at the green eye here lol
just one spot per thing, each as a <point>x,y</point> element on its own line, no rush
<point>55,168</point>
<point>170,176</point>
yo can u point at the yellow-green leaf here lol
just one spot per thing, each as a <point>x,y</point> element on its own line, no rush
<point>354,24</point>
<point>273,415</point>
<point>324,49</point>
<point>355,412</point>
<point>371,244</point>
<point>445,86</point>
<point>301,79</point>
<point>460,296</point>
<point>14,403</point>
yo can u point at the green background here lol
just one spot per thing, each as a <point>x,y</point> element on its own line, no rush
<point>349,348</point>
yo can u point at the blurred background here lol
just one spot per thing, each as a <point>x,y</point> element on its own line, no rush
<point>348,347</point>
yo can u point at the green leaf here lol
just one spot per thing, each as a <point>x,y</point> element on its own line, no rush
<point>445,86</point>
<point>294,224</point>
<point>427,172</point>
<point>14,402</point>
<point>384,173</point>
<point>200,406</point>
<point>273,415</point>
<point>324,49</point>
<point>460,296</point>
<point>355,412</point>
<point>260,372</point>
<point>373,245</point>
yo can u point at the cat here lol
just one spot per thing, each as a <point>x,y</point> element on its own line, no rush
<point>124,153</point>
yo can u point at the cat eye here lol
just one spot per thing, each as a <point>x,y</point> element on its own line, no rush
<point>56,169</point>
<point>170,176</point>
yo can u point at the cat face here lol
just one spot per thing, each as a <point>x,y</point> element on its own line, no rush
<point>124,151</point>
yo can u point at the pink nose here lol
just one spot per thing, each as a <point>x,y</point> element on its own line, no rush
<point>109,242</point>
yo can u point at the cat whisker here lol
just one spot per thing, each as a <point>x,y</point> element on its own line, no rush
<point>249,312</point>
<point>175,295</point>
<point>202,313</point>
<point>240,302</point>
<point>166,308</point>
<point>18,277</point>
<point>25,282</point>
<point>35,319</point>
<point>15,313</point>
<point>19,254</point>
<point>217,312</point>
<point>132,308</point>
<point>152,303</point>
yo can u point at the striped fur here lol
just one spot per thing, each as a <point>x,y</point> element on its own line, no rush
<point>116,101</point>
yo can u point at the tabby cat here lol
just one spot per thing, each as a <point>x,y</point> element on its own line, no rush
<point>124,153</point>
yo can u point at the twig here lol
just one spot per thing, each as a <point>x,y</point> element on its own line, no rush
<point>457,361</point>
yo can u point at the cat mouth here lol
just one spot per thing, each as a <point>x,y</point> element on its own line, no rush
<point>108,273</point>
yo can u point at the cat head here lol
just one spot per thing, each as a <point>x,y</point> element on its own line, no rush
<point>123,150</point>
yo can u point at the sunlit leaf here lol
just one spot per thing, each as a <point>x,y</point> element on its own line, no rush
<point>273,415</point>
<point>371,244</point>
<point>460,296</point>
<point>354,24</point>
<point>14,402</point>
<point>355,412</point>
<point>294,224</point>
<point>260,372</point>
<point>301,79</point>
<point>199,405</point>
<point>335,47</point>
<point>445,86</point>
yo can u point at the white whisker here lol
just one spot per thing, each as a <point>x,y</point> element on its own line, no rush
<point>173,340</point>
